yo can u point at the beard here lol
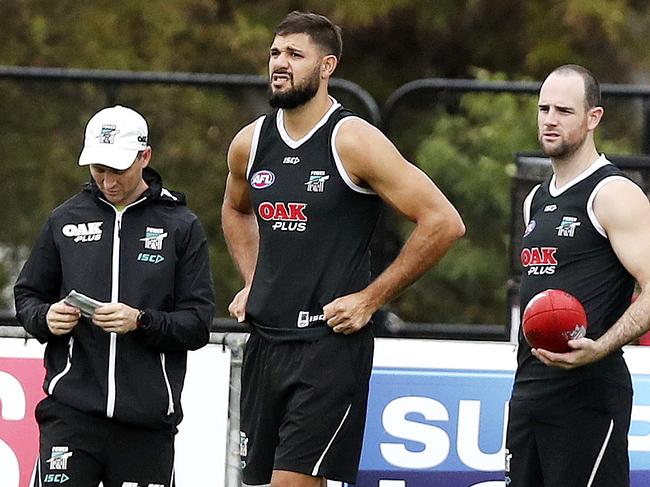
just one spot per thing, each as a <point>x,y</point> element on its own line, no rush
<point>562,151</point>
<point>569,145</point>
<point>296,95</point>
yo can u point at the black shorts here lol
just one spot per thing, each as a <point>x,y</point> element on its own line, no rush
<point>303,406</point>
<point>81,450</point>
<point>576,440</point>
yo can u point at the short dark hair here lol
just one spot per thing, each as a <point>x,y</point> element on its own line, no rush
<point>592,86</point>
<point>322,31</point>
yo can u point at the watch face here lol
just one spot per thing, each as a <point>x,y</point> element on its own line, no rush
<point>141,320</point>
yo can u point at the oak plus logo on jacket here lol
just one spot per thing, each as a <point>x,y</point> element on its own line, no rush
<point>83,232</point>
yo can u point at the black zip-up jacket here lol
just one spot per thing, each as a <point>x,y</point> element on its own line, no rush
<point>151,255</point>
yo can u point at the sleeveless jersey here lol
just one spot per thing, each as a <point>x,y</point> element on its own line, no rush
<point>315,227</point>
<point>564,247</point>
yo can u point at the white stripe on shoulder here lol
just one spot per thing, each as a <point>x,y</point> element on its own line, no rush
<point>528,201</point>
<point>592,197</point>
<point>166,192</point>
<point>256,139</point>
<point>339,164</point>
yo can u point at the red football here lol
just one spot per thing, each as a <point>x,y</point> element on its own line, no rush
<point>552,318</point>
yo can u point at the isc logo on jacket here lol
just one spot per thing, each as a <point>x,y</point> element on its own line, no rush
<point>83,232</point>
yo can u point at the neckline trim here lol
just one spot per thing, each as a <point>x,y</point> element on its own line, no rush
<point>554,191</point>
<point>294,144</point>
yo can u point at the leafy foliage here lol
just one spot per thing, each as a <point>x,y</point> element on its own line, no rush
<point>469,153</point>
<point>466,145</point>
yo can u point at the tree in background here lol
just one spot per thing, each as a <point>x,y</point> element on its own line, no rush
<point>468,150</point>
<point>466,146</point>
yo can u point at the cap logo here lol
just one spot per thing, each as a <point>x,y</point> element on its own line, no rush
<point>113,138</point>
<point>107,135</point>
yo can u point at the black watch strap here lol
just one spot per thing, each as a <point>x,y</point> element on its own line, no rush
<point>143,319</point>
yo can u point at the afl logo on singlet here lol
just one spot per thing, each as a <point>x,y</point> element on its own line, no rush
<point>262,179</point>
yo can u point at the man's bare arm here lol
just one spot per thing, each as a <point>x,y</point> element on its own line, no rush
<point>624,212</point>
<point>372,160</point>
<point>238,219</point>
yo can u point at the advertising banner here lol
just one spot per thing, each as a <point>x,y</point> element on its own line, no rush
<point>438,409</point>
<point>200,443</point>
<point>436,414</point>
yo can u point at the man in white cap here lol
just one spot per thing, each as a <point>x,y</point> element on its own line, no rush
<point>117,152</point>
<point>118,285</point>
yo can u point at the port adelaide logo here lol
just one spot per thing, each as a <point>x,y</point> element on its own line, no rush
<point>568,226</point>
<point>59,458</point>
<point>262,179</point>
<point>316,182</point>
<point>153,240</point>
<point>108,133</point>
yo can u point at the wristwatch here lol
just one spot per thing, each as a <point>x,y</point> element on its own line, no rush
<point>143,320</point>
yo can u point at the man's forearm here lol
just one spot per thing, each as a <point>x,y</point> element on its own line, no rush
<point>242,238</point>
<point>426,245</point>
<point>632,324</point>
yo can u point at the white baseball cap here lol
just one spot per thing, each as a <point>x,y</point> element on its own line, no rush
<point>114,136</point>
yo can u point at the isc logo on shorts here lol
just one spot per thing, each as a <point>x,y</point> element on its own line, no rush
<point>55,478</point>
<point>304,319</point>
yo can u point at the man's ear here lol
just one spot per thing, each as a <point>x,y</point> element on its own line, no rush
<point>594,116</point>
<point>328,66</point>
<point>146,157</point>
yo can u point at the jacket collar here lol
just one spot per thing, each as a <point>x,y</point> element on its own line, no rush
<point>153,192</point>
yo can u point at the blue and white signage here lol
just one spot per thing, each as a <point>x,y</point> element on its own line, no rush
<point>437,414</point>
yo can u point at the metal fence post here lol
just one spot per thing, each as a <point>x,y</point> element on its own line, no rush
<point>236,343</point>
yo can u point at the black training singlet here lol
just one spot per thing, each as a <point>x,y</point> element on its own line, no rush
<point>564,247</point>
<point>315,226</point>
